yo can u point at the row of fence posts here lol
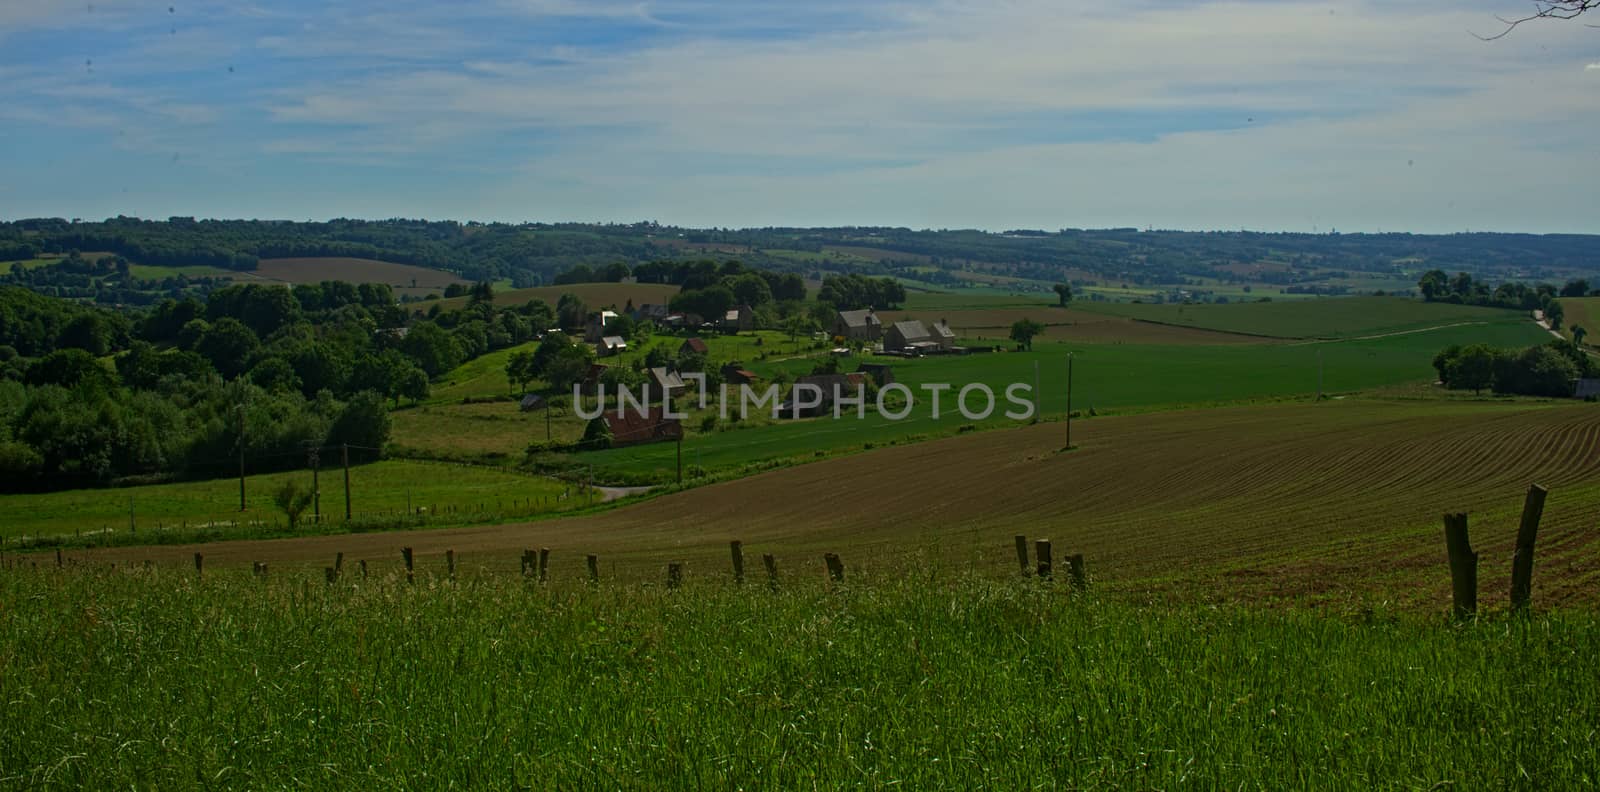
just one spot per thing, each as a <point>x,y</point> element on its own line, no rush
<point>1464,560</point>
<point>1076,573</point>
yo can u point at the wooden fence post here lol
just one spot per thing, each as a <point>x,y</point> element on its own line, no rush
<point>526,563</point>
<point>338,563</point>
<point>1075,571</point>
<point>737,549</point>
<point>594,567</point>
<point>1522,560</point>
<point>199,561</point>
<point>405,552</point>
<point>363,569</point>
<point>1463,566</point>
<point>331,574</point>
<point>450,562</point>
<point>674,575</point>
<point>771,563</point>
<point>1041,551</point>
<point>835,567</point>
<point>58,557</point>
<point>1022,553</point>
<point>544,564</point>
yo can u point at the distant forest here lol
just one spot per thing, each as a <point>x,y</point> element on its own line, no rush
<point>536,253</point>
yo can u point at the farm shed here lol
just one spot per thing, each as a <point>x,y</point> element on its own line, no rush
<point>739,319</point>
<point>734,375</point>
<point>693,346</point>
<point>833,386</point>
<point>635,428</point>
<point>595,329</point>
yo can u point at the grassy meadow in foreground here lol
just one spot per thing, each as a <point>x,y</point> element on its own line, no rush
<point>155,679</point>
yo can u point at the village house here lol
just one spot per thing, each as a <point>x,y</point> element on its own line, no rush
<point>880,374</point>
<point>833,387</point>
<point>739,319</point>
<point>633,427</point>
<point>611,345</point>
<point>857,326</point>
<point>734,375</point>
<point>662,379</point>
<point>943,335</point>
<point>910,338</point>
<point>693,346</point>
<point>651,312</point>
<point>595,328</point>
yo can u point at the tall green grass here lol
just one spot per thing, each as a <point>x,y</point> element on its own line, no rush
<point>158,680</point>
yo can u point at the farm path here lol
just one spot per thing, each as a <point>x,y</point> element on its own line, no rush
<point>1386,335</point>
<point>609,494</point>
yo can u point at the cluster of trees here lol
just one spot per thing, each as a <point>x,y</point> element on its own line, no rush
<point>1462,288</point>
<point>710,289</point>
<point>93,395</point>
<point>1543,370</point>
<point>107,280</point>
<point>583,273</point>
<point>854,292</point>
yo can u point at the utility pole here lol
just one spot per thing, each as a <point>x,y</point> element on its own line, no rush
<point>316,489</point>
<point>241,457</point>
<point>344,455</point>
<point>1069,401</point>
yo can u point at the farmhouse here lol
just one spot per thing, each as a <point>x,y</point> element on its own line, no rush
<point>857,325</point>
<point>880,374</point>
<point>669,381</point>
<point>651,312</point>
<point>739,319</point>
<point>693,346</point>
<point>909,337</point>
<point>833,387</point>
<point>733,375</point>
<point>634,428</point>
<point>943,335</point>
<point>533,401</point>
<point>595,329</point>
<point>612,345</point>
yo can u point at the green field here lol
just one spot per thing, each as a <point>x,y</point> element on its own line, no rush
<point>1107,377</point>
<point>1334,317</point>
<point>1581,312</point>
<point>385,487</point>
<point>157,680</point>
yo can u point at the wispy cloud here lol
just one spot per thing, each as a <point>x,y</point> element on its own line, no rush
<point>954,112</point>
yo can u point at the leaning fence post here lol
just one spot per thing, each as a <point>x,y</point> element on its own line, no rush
<point>835,567</point>
<point>594,567</point>
<point>1022,553</point>
<point>1463,566</point>
<point>1522,561</point>
<point>1041,551</point>
<point>674,575</point>
<point>544,564</point>
<point>1080,580</point>
<point>405,552</point>
<point>771,563</point>
<point>737,549</point>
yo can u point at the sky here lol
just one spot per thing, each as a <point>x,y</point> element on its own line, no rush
<point>993,114</point>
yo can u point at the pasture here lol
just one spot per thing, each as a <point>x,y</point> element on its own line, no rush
<point>993,325</point>
<point>156,679</point>
<point>160,512</point>
<point>1343,317</point>
<point>1581,312</point>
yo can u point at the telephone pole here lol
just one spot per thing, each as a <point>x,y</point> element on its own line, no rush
<point>1069,401</point>
<point>344,455</point>
<point>316,489</point>
<point>241,457</point>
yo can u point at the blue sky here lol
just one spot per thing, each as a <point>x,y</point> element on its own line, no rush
<point>993,114</point>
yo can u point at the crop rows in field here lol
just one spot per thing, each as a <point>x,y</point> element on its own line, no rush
<point>1332,500</point>
<point>1342,317</point>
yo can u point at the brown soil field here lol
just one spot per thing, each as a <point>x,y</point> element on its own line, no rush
<point>354,270</point>
<point>1068,325</point>
<point>595,295</point>
<point>1336,503</point>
